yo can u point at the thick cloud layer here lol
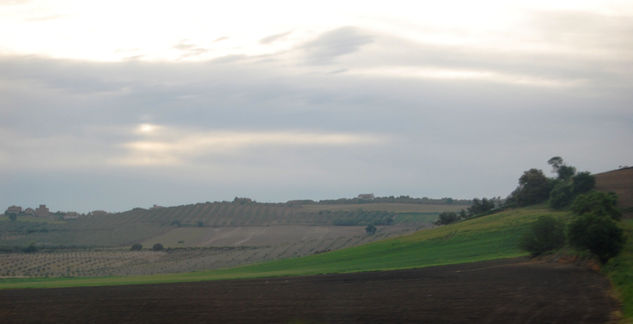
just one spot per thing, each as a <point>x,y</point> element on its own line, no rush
<point>349,111</point>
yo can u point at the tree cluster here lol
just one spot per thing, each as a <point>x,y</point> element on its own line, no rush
<point>592,228</point>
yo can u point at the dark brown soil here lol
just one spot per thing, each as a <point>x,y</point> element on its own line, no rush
<point>621,182</point>
<point>509,291</point>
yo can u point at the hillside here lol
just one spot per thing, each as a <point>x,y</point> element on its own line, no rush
<point>141,225</point>
<point>484,238</point>
<point>621,182</point>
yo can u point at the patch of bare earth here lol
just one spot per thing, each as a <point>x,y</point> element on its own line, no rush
<point>502,291</point>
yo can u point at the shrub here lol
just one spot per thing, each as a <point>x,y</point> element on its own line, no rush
<point>596,233</point>
<point>30,249</point>
<point>157,247</point>
<point>547,233</point>
<point>561,195</point>
<point>136,247</point>
<point>446,218</point>
<point>370,229</point>
<point>598,203</point>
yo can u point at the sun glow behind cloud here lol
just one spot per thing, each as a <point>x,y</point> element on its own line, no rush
<point>176,146</point>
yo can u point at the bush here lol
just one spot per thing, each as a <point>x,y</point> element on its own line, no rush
<point>547,233</point>
<point>446,218</point>
<point>30,249</point>
<point>561,195</point>
<point>157,247</point>
<point>370,229</point>
<point>596,233</point>
<point>136,247</point>
<point>598,203</point>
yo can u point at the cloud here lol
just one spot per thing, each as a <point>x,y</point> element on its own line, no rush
<point>161,145</point>
<point>274,38</point>
<point>399,116</point>
<point>335,43</point>
<point>189,50</point>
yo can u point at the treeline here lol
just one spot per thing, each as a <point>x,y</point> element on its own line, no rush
<point>478,207</point>
<point>389,199</point>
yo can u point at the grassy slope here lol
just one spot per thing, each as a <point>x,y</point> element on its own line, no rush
<point>620,271</point>
<point>485,238</point>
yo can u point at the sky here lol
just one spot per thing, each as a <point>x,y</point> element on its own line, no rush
<point>111,105</point>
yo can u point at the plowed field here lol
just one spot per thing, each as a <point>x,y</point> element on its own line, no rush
<point>507,291</point>
<point>621,182</point>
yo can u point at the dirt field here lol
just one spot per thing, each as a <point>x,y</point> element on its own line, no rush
<point>510,291</point>
<point>620,182</point>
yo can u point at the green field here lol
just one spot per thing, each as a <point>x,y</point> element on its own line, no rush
<point>484,238</point>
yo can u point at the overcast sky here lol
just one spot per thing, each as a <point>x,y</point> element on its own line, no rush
<point>118,104</point>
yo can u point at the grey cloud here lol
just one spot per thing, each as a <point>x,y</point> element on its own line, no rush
<point>453,138</point>
<point>335,43</point>
<point>274,38</point>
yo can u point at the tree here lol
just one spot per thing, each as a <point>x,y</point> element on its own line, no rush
<point>596,233</point>
<point>370,229</point>
<point>565,172</point>
<point>555,162</point>
<point>445,218</point>
<point>598,203</point>
<point>136,247</point>
<point>157,247</point>
<point>481,206</point>
<point>12,217</point>
<point>200,224</point>
<point>583,182</point>
<point>175,222</point>
<point>547,233</point>
<point>534,187</point>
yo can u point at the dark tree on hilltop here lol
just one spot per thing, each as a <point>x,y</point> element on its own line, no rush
<point>370,229</point>
<point>565,172</point>
<point>534,187</point>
